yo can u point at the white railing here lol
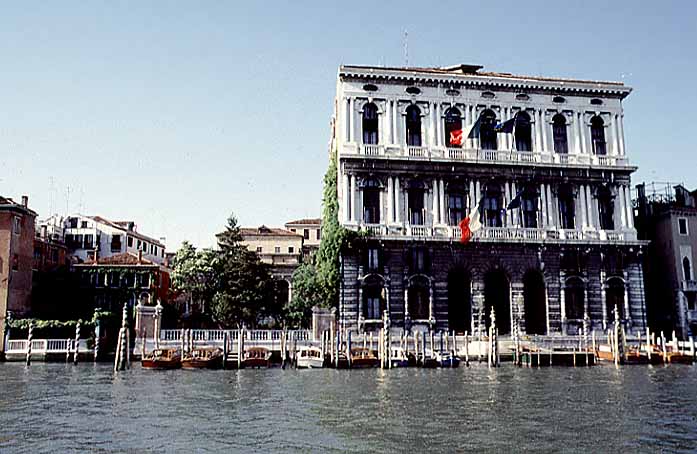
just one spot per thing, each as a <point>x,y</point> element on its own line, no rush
<point>419,230</point>
<point>376,229</point>
<point>371,150</point>
<point>571,235</point>
<point>43,346</point>
<point>417,152</point>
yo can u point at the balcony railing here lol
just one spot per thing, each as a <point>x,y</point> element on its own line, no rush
<point>478,155</point>
<point>514,234</point>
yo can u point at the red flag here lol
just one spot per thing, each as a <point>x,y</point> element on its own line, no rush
<point>456,137</point>
<point>470,224</point>
<point>466,233</point>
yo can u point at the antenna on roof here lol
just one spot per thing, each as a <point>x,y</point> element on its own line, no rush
<point>406,48</point>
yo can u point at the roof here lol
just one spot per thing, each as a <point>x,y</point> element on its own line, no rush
<point>266,231</point>
<point>8,204</point>
<point>313,221</point>
<point>123,226</point>
<point>473,73</point>
<point>125,259</point>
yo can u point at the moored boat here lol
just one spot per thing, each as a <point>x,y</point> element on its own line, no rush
<point>203,358</point>
<point>363,358</point>
<point>309,358</point>
<point>256,357</point>
<point>446,359</point>
<point>398,357</point>
<point>162,359</point>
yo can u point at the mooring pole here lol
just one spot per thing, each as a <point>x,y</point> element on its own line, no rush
<point>77,342</point>
<point>96,337</point>
<point>30,338</point>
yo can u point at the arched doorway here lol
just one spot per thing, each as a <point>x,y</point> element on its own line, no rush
<point>459,300</point>
<point>614,296</point>
<point>535,303</point>
<point>497,294</point>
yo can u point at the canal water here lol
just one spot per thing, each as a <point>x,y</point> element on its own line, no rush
<point>87,408</point>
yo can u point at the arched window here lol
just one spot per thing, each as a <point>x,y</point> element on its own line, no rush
<point>418,298</point>
<point>453,128</point>
<point>598,136</point>
<point>574,296</point>
<point>606,208</point>
<point>416,206</point>
<point>374,301</point>
<point>487,134</point>
<point>493,205</point>
<point>371,201</point>
<point>686,269</point>
<point>457,209</point>
<point>561,143</point>
<point>413,121</point>
<point>567,211</point>
<point>523,132</point>
<point>528,206</point>
<point>370,124</point>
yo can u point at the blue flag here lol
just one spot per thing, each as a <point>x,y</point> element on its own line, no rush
<point>473,132</point>
<point>506,126</point>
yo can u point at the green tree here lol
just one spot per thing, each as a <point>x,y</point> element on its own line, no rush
<point>308,291</point>
<point>196,274</point>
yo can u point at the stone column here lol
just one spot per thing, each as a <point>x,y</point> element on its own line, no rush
<point>621,134</point>
<point>347,120</point>
<point>562,301</point>
<point>537,115</point>
<point>347,199</point>
<point>577,133</point>
<point>439,126</point>
<point>545,131</point>
<point>468,122</point>
<point>397,201</point>
<point>396,137</point>
<point>353,198</point>
<point>621,201</point>
<point>589,207</point>
<point>436,219</point>
<point>603,299</point>
<point>550,208</point>
<point>441,198</point>
<point>630,210</point>
<point>543,200</point>
<point>515,215</point>
<point>584,206</point>
<point>610,136</point>
<point>390,201</point>
<point>351,119</point>
<point>472,197</point>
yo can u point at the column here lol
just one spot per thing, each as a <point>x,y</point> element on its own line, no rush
<point>387,136</point>
<point>436,205</point>
<point>468,122</point>
<point>351,120</point>
<point>395,125</point>
<point>621,134</point>
<point>538,130</point>
<point>390,201</point>
<point>582,128</point>
<point>603,299</point>
<point>610,136</point>
<point>577,133</point>
<point>515,214</point>
<point>627,311</point>
<point>347,198</point>
<point>347,120</point>
<point>397,201</point>
<point>359,206</point>
<point>353,198</point>
<point>505,137</point>
<point>441,198</point>
<point>589,201</point>
<point>439,127</point>
<point>545,131</point>
<point>621,201</point>
<point>584,215</point>
<point>562,301</point>
<point>507,191</point>
<point>543,204</point>
<point>630,209</point>
<point>550,207</point>
<point>477,192</point>
<point>472,197</point>
<point>432,125</point>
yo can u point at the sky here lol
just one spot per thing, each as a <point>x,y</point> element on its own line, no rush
<point>177,114</point>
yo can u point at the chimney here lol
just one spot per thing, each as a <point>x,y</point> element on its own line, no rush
<point>25,201</point>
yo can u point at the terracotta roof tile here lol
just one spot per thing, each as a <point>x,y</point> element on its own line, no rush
<point>266,231</point>
<point>313,221</point>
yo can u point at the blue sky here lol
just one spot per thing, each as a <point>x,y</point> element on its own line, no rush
<point>175,114</point>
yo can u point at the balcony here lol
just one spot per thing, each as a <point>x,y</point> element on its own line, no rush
<point>478,155</point>
<point>498,234</point>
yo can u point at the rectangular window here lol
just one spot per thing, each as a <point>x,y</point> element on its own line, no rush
<point>418,260</point>
<point>83,224</point>
<point>130,241</point>
<point>373,308</point>
<point>306,234</point>
<point>72,222</point>
<point>259,249</point>
<point>116,243</point>
<point>682,226</point>
<point>319,235</point>
<point>16,225</point>
<point>416,206</point>
<point>89,241</point>
<point>371,205</point>
<point>373,259</point>
<point>292,230</point>
<point>291,249</point>
<point>277,250</point>
<point>456,208</point>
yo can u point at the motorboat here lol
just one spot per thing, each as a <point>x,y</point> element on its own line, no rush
<point>398,357</point>
<point>162,359</point>
<point>256,357</point>
<point>203,358</point>
<point>363,358</point>
<point>309,358</point>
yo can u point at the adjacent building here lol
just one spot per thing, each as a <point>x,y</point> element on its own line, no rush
<point>311,230</point>
<point>417,148</point>
<point>86,235</point>
<point>667,216</point>
<point>16,259</point>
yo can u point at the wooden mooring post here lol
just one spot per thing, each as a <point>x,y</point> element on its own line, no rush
<point>123,357</point>
<point>493,357</point>
<point>225,349</point>
<point>96,338</point>
<point>30,338</point>
<point>467,349</point>
<point>77,342</point>
<point>240,347</point>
